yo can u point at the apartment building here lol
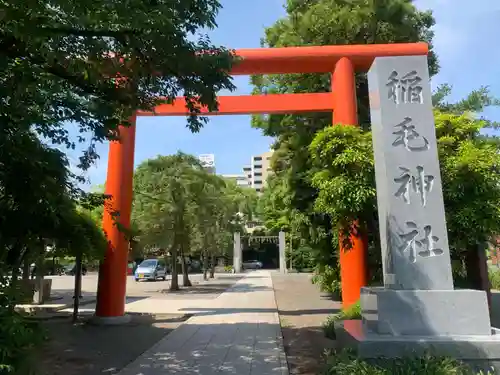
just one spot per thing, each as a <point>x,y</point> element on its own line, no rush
<point>259,170</point>
<point>240,179</point>
<point>247,172</point>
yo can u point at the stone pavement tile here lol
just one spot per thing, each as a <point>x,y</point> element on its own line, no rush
<point>237,334</point>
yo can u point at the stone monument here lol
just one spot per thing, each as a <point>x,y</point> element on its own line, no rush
<point>418,308</point>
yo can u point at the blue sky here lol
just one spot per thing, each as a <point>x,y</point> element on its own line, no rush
<point>466,33</point>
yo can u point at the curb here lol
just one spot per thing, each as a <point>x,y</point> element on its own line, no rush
<point>33,309</point>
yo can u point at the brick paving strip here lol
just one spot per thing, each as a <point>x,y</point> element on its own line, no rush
<point>303,309</point>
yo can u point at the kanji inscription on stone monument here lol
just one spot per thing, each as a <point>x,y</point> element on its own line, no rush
<point>408,137</point>
<point>413,231</point>
<point>420,183</point>
<point>405,88</point>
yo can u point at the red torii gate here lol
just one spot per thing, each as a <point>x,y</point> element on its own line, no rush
<point>341,61</point>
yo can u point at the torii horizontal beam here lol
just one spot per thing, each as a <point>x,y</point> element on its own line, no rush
<point>253,104</point>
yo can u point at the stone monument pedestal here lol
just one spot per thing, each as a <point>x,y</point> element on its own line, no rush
<point>402,323</point>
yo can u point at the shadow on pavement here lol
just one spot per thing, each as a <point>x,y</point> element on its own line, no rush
<point>222,348</point>
<point>86,349</point>
<point>60,297</point>
<point>217,288</point>
<point>305,349</point>
<point>203,311</point>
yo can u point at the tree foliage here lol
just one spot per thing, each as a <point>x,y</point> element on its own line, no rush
<point>324,175</point>
<point>95,63</point>
<point>326,22</point>
<point>91,64</point>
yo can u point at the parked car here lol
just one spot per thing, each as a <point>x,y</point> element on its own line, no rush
<point>70,270</point>
<point>151,269</point>
<point>252,265</point>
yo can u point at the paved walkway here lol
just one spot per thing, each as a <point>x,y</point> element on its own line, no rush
<point>155,298</point>
<point>238,333</point>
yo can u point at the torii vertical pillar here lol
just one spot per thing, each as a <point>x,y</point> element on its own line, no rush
<point>237,253</point>
<point>111,290</point>
<point>353,270</point>
<point>282,255</point>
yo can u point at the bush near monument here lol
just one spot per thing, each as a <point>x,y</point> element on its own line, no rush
<point>347,363</point>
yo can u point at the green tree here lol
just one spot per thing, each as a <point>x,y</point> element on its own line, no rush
<point>160,205</point>
<point>343,174</point>
<point>34,196</point>
<point>180,207</point>
<point>325,22</point>
<point>59,64</point>
<point>93,64</point>
<point>242,202</point>
<point>208,213</point>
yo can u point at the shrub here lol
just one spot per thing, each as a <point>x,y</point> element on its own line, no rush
<point>228,269</point>
<point>352,312</point>
<point>494,276</point>
<point>346,363</point>
<point>301,258</point>
<point>328,280</point>
<point>18,337</point>
<point>329,326</point>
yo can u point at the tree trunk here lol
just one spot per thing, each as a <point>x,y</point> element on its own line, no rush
<point>477,271</point>
<point>38,297</point>
<point>205,265</point>
<point>212,267</point>
<point>17,290</point>
<point>77,293</point>
<point>174,283</point>
<point>26,269</point>
<point>185,273</point>
<point>472,265</point>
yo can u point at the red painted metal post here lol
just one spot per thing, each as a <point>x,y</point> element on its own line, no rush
<point>112,284</point>
<point>352,261</point>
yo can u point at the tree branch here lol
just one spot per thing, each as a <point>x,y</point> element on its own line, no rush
<point>15,48</point>
<point>89,33</point>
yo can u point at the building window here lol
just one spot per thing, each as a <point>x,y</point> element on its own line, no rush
<point>258,182</point>
<point>257,174</point>
<point>257,190</point>
<point>257,158</point>
<point>257,166</point>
